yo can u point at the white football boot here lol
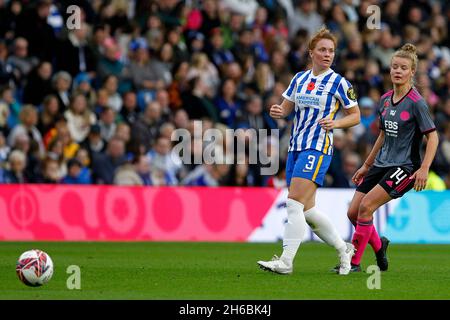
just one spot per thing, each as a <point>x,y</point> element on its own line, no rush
<point>275,265</point>
<point>346,258</point>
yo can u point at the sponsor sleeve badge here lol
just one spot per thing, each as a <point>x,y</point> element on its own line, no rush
<point>351,94</point>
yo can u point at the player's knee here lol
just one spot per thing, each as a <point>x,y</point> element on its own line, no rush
<point>298,199</point>
<point>297,196</point>
<point>352,215</point>
<point>365,210</point>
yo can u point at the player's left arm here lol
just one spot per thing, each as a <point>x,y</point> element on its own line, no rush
<point>352,117</point>
<point>427,127</point>
<point>421,175</point>
<point>347,98</point>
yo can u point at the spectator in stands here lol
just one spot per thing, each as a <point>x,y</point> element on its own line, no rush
<point>143,169</point>
<point>83,157</point>
<point>216,52</point>
<point>303,16</point>
<point>49,114</point>
<point>51,171</point>
<point>75,173</point>
<point>107,123</point>
<point>202,67</point>
<point>179,85</point>
<point>126,175</point>
<point>167,58</point>
<point>352,162</point>
<point>32,25</point>
<point>210,16</point>
<point>264,80</point>
<point>110,63</point>
<point>105,164</point>
<point>146,128</point>
<point>162,97</point>
<point>227,103</point>
<point>9,14</point>
<point>155,31</point>
<point>79,118</point>
<point>114,98</point>
<point>69,146</point>
<point>279,63</point>
<point>196,103</point>
<point>94,142</point>
<point>206,175</point>
<point>383,50</point>
<point>146,73</point>
<point>129,112</point>
<point>253,116</point>
<point>167,130</point>
<point>239,175</point>
<point>97,44</point>
<point>196,42</point>
<point>20,62</point>
<point>16,172</point>
<point>82,84</point>
<point>102,101</point>
<point>28,121</point>
<point>4,149</point>
<point>368,116</point>
<point>62,82</point>
<point>161,157</point>
<point>74,55</point>
<point>123,131</point>
<point>39,84</point>
<point>9,110</point>
<point>5,74</point>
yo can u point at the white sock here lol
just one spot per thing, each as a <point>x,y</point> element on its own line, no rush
<point>324,229</point>
<point>294,231</point>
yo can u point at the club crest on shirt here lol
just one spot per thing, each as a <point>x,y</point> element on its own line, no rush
<point>351,94</point>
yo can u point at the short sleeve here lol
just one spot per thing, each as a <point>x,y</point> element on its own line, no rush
<point>380,116</point>
<point>346,94</point>
<point>423,117</point>
<point>289,94</point>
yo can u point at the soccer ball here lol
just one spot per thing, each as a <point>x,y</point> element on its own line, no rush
<point>34,268</point>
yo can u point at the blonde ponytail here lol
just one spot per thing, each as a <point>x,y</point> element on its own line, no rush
<point>408,51</point>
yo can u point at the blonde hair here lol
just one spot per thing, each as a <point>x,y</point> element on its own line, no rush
<point>323,33</point>
<point>26,111</point>
<point>408,51</point>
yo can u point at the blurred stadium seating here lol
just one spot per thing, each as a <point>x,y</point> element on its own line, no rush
<point>98,104</point>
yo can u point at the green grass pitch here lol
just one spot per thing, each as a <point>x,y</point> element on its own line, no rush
<point>223,271</point>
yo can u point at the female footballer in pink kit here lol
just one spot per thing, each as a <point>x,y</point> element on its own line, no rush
<point>315,95</point>
<point>394,165</point>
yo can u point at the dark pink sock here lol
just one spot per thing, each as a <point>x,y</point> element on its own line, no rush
<point>361,237</point>
<point>374,240</point>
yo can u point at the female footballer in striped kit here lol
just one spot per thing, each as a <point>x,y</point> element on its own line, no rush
<point>315,96</point>
<point>394,165</point>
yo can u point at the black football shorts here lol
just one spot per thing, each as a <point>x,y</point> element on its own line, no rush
<point>395,180</point>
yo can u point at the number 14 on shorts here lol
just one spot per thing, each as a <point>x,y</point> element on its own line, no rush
<point>399,175</point>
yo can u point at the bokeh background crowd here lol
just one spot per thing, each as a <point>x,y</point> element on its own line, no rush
<point>98,104</point>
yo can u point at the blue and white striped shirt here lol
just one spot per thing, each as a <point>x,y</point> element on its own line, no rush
<point>316,97</point>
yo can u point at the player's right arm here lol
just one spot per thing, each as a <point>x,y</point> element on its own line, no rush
<point>280,111</point>
<point>361,173</point>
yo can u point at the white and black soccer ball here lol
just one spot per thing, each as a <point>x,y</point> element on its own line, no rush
<point>34,268</point>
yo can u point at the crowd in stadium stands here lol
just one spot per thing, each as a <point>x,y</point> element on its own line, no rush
<point>98,103</point>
